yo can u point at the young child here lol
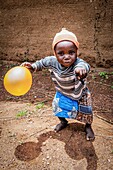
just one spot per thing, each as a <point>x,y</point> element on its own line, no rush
<point>68,72</point>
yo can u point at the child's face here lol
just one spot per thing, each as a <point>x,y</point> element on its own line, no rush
<point>66,53</point>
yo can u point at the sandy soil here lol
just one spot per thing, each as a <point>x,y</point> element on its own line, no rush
<point>29,141</point>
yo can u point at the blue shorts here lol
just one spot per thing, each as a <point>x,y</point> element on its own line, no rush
<point>65,107</point>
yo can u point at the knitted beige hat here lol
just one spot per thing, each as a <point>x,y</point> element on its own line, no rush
<point>65,35</point>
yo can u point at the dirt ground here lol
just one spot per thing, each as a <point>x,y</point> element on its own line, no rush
<point>27,137</point>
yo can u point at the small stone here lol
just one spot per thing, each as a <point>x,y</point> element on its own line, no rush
<point>109,160</point>
<point>43,159</point>
<point>47,157</point>
<point>44,143</point>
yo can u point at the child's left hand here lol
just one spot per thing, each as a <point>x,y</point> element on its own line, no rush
<point>80,72</point>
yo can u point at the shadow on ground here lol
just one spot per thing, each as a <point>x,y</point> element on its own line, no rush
<point>76,145</point>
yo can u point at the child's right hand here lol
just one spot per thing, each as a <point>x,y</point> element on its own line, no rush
<point>27,65</point>
<point>80,72</point>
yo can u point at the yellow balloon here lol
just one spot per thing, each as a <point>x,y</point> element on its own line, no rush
<point>18,81</point>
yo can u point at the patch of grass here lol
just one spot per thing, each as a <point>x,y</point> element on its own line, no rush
<point>112,152</point>
<point>103,74</point>
<point>39,105</point>
<point>93,77</point>
<point>112,85</point>
<point>21,114</point>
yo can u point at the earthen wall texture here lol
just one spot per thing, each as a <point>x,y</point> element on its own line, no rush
<point>27,28</point>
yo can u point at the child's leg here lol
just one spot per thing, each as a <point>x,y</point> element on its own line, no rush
<point>86,115</point>
<point>63,124</point>
<point>89,132</point>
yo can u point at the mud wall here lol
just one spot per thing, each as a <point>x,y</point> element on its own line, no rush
<point>27,28</point>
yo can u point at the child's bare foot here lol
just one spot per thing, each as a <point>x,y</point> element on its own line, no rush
<point>89,132</point>
<point>60,126</point>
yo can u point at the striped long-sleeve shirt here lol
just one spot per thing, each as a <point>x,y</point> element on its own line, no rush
<point>64,78</point>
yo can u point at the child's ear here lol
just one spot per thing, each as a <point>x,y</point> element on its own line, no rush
<point>54,53</point>
<point>77,52</point>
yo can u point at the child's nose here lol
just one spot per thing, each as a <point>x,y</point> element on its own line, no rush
<point>66,56</point>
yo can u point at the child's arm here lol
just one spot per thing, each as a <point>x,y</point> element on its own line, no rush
<point>46,62</point>
<point>82,69</point>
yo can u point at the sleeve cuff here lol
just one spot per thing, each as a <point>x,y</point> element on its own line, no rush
<point>34,66</point>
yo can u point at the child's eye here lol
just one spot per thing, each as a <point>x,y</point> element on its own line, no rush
<point>71,52</point>
<point>61,53</point>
